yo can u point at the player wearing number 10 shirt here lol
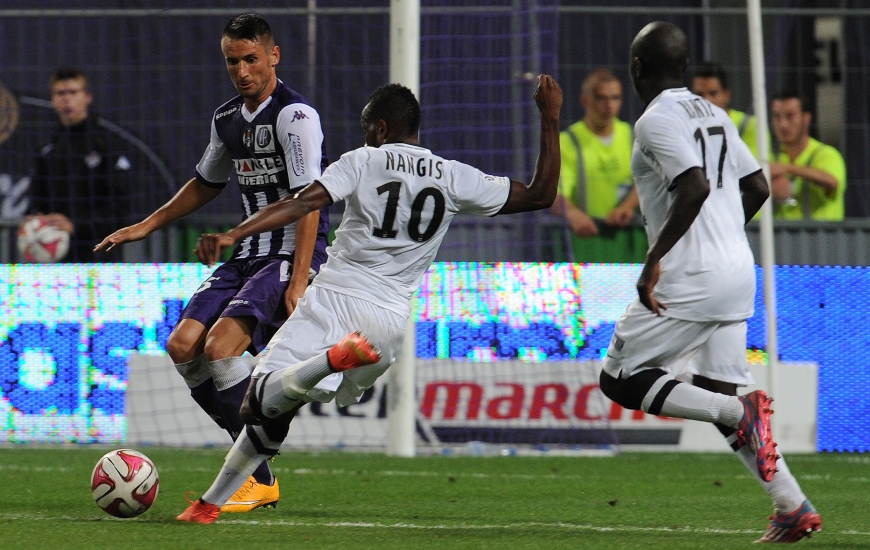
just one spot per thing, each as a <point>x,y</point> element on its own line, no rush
<point>400,199</point>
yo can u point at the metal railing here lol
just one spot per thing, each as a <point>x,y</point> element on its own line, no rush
<point>511,238</point>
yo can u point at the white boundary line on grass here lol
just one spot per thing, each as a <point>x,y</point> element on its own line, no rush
<point>458,526</point>
<point>418,473</point>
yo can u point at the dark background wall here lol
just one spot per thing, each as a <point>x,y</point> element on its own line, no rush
<point>161,74</point>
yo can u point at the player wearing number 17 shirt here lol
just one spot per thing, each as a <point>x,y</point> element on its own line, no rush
<point>270,136</point>
<point>698,185</point>
<point>400,199</point>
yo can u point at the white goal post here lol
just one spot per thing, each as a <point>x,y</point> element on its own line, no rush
<point>405,70</point>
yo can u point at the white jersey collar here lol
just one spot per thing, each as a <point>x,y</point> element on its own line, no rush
<point>407,146</point>
<point>249,116</point>
<point>668,92</point>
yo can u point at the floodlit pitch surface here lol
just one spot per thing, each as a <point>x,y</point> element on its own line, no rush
<point>354,500</point>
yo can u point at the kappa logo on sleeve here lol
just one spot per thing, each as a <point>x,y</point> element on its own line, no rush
<point>297,155</point>
<point>298,115</point>
<point>263,140</point>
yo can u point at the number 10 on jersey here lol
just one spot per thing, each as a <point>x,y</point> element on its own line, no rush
<point>388,229</point>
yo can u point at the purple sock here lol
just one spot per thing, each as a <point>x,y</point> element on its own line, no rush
<point>207,397</point>
<point>231,400</point>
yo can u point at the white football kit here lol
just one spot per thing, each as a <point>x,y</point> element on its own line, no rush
<point>400,199</point>
<point>708,278</point>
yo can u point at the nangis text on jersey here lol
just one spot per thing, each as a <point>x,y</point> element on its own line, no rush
<point>407,164</point>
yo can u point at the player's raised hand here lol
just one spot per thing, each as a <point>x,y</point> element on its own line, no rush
<point>135,232</point>
<point>548,95</point>
<point>210,245</point>
<point>646,284</point>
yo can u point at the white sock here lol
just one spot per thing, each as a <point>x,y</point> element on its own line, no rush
<point>310,372</point>
<point>284,389</point>
<point>783,488</point>
<point>194,372</point>
<point>239,464</point>
<point>228,372</point>
<point>668,397</point>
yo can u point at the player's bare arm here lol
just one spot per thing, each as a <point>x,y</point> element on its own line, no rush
<point>754,191</point>
<point>306,235</point>
<point>541,191</point>
<point>691,189</point>
<point>192,196</point>
<point>278,214</point>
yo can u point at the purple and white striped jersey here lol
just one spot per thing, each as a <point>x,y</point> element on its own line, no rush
<point>275,152</point>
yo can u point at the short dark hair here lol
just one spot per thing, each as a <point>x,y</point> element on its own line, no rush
<point>790,93</point>
<point>711,69</point>
<point>249,26</point>
<point>67,73</point>
<point>396,105</point>
<point>662,48</point>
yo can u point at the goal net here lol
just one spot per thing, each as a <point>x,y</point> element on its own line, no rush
<point>507,348</point>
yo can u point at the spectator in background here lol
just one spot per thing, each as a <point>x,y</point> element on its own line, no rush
<point>80,181</point>
<point>710,81</point>
<point>596,191</point>
<point>808,178</point>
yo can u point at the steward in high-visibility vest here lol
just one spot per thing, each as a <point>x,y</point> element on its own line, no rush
<point>597,198</point>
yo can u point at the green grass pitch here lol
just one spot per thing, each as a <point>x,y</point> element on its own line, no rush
<point>355,500</point>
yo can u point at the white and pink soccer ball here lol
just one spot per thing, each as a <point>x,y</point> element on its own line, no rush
<point>41,242</point>
<point>124,483</point>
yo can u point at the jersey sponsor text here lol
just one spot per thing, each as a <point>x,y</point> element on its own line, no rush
<point>297,154</point>
<point>259,171</point>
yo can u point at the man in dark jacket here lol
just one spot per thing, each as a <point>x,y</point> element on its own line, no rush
<point>80,182</point>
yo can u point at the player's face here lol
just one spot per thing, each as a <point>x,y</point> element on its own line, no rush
<point>710,88</point>
<point>790,124</point>
<point>70,99</point>
<point>603,102</point>
<point>251,65</point>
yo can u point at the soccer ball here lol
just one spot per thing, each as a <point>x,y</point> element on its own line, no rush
<point>41,242</point>
<point>124,483</point>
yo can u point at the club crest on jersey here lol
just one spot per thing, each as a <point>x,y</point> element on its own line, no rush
<point>248,138</point>
<point>263,140</point>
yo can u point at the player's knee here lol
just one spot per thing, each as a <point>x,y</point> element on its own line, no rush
<point>181,349</point>
<point>629,392</point>
<point>229,337</point>
<point>218,348</point>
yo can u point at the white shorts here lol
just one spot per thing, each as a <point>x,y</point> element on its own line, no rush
<point>713,349</point>
<point>321,319</point>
